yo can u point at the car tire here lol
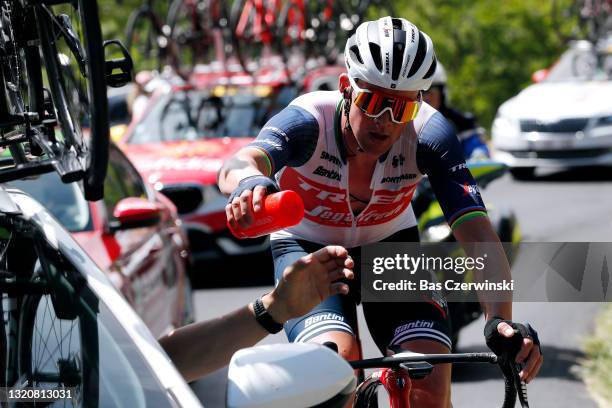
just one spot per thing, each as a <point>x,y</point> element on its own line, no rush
<point>523,173</point>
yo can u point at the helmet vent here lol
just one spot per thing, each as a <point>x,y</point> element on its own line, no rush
<point>397,23</point>
<point>399,43</point>
<point>419,57</point>
<point>376,56</point>
<point>355,50</point>
<point>431,69</point>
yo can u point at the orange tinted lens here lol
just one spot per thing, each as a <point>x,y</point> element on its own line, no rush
<point>374,104</point>
<point>409,112</point>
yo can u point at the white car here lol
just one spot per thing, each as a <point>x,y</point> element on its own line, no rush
<point>66,329</point>
<point>563,121</point>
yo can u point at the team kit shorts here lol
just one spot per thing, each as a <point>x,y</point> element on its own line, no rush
<point>390,323</point>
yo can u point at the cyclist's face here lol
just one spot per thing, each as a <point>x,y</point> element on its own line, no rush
<point>376,135</point>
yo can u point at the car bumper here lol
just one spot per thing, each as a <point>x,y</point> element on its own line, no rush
<point>555,150</point>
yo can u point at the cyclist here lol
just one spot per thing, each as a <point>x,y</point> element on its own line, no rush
<point>355,157</point>
<point>200,348</point>
<point>468,131</point>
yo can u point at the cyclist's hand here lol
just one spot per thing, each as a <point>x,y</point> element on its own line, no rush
<point>309,281</point>
<point>247,199</point>
<point>505,337</point>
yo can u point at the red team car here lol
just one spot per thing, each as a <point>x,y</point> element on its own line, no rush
<point>133,235</point>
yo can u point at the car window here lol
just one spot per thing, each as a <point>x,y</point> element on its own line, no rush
<point>194,115</point>
<point>582,63</point>
<point>122,181</point>
<point>64,201</point>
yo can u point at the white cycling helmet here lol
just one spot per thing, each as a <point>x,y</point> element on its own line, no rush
<point>391,53</point>
<point>439,77</point>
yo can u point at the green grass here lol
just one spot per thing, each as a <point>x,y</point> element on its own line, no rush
<point>598,366</point>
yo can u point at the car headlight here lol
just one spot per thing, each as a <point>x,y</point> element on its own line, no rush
<point>504,127</point>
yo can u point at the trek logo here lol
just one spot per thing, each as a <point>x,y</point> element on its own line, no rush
<point>330,174</point>
<point>418,324</point>
<point>472,189</point>
<point>458,167</point>
<point>277,132</point>
<point>398,179</point>
<point>331,158</point>
<point>398,161</point>
<point>322,317</point>
<point>387,62</point>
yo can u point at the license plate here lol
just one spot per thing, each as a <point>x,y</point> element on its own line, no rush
<point>553,144</point>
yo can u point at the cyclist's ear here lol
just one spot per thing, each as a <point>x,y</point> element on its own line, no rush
<point>344,85</point>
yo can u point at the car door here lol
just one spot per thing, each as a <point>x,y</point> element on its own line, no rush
<point>144,254</point>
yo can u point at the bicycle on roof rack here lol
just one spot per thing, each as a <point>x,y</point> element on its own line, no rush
<point>53,109</point>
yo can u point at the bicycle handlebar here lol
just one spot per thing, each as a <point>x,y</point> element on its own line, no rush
<point>510,370</point>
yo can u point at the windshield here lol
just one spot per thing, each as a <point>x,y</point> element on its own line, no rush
<point>193,115</point>
<point>582,63</point>
<point>64,201</point>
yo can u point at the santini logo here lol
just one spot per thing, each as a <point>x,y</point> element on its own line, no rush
<point>330,174</point>
<point>415,325</point>
<point>321,317</point>
<point>397,179</point>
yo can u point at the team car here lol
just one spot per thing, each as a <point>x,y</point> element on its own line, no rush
<point>565,119</point>
<point>186,131</point>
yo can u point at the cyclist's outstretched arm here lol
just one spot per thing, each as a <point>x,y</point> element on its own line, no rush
<point>200,348</point>
<point>288,139</point>
<point>441,157</point>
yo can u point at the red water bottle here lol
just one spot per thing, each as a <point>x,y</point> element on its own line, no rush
<point>280,210</point>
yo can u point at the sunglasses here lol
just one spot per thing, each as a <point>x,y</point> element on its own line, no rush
<point>374,104</point>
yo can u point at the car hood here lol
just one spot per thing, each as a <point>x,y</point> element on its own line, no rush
<point>554,101</point>
<point>184,161</point>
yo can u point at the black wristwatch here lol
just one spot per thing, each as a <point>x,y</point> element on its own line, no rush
<point>264,319</point>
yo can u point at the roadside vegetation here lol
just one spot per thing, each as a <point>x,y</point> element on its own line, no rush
<point>598,365</point>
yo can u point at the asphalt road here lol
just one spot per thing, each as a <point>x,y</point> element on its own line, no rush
<point>555,207</point>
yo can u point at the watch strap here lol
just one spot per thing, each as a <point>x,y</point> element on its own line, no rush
<point>264,319</point>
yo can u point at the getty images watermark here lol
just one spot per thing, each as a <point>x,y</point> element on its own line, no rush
<point>560,272</point>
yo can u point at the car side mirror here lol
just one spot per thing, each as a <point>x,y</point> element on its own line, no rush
<point>289,375</point>
<point>539,75</point>
<point>135,212</point>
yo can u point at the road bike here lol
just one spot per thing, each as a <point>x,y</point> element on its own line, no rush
<point>53,109</point>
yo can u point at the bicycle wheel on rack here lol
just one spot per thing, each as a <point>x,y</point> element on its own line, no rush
<point>71,42</point>
<point>192,28</point>
<point>145,40</point>
<point>59,351</point>
<point>292,31</point>
<point>21,104</point>
<point>252,33</point>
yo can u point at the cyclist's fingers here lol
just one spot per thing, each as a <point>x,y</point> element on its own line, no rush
<point>259,194</point>
<point>330,253</point>
<point>536,369</point>
<point>531,365</point>
<point>526,348</point>
<point>237,212</point>
<point>342,273</point>
<point>229,214</point>
<point>246,208</point>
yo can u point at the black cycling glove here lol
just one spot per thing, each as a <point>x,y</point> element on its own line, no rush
<point>508,347</point>
<point>249,183</point>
